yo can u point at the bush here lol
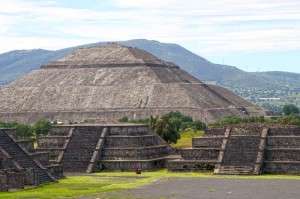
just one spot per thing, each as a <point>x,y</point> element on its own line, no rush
<point>123,119</point>
<point>42,127</point>
<point>198,125</point>
<point>292,119</point>
<point>23,131</point>
<point>289,109</point>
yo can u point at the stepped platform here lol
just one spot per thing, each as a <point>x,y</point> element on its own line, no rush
<point>96,147</point>
<point>248,149</point>
<point>21,165</point>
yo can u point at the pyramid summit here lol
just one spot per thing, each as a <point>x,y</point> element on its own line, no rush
<point>112,81</point>
<point>112,55</point>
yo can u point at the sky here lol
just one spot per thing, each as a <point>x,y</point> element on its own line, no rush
<point>253,35</point>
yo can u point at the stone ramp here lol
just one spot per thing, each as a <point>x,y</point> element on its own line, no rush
<point>20,159</point>
<point>80,148</point>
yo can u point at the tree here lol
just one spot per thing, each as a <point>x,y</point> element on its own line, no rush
<point>198,125</point>
<point>24,131</point>
<point>167,128</point>
<point>289,109</point>
<point>42,127</point>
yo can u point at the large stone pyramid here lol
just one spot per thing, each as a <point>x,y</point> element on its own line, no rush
<point>113,81</point>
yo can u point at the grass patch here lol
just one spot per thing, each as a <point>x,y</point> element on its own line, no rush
<point>97,183</point>
<point>75,186</point>
<point>186,136</point>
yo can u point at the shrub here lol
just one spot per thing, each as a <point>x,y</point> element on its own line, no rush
<point>42,127</point>
<point>24,131</point>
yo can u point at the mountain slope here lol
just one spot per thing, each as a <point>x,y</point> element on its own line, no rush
<point>16,63</point>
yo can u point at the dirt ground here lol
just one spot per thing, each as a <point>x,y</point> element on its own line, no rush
<point>210,188</point>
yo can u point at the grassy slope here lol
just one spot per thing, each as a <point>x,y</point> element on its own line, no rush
<point>89,184</point>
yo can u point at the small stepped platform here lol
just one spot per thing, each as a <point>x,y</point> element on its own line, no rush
<point>20,162</point>
<point>244,149</point>
<point>91,148</point>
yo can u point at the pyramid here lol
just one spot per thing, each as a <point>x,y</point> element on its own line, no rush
<point>112,81</point>
<point>243,149</point>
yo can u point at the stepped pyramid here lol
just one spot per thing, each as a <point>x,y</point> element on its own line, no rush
<point>21,165</point>
<point>243,149</point>
<point>90,148</point>
<point>113,81</point>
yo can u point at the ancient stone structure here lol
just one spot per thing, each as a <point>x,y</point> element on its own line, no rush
<point>112,81</point>
<point>243,149</point>
<point>90,148</point>
<point>20,165</point>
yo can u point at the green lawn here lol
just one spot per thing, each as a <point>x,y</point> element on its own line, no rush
<point>186,138</point>
<point>89,184</point>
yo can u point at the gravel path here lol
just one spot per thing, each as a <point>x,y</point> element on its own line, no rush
<point>212,188</point>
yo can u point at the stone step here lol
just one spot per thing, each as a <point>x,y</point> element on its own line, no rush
<point>236,170</point>
<point>22,158</point>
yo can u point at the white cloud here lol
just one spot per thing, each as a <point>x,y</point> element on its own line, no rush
<point>209,27</point>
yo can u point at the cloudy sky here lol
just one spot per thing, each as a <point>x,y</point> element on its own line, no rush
<point>254,35</point>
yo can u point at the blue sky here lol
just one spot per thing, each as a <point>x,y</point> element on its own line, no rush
<point>254,35</point>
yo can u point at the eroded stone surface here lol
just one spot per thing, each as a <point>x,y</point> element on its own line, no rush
<point>113,81</point>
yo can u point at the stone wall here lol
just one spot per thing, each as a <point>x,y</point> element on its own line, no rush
<point>51,141</point>
<point>5,162</point>
<point>283,154</point>
<point>27,144</point>
<point>246,131</point>
<point>60,130</point>
<point>207,142</point>
<point>42,157</point>
<point>135,153</point>
<point>12,179</point>
<point>190,165</point>
<point>200,154</point>
<point>283,141</point>
<point>129,130</point>
<point>130,165</point>
<point>130,141</point>
<point>282,168</point>
<point>284,131</point>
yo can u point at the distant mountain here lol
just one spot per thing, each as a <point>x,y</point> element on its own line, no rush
<point>16,63</point>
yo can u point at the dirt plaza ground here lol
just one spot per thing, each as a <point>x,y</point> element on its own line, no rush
<point>212,188</point>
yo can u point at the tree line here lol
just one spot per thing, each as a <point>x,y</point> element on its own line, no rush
<point>25,131</point>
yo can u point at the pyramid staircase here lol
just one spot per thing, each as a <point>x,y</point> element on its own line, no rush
<point>16,157</point>
<point>242,153</point>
